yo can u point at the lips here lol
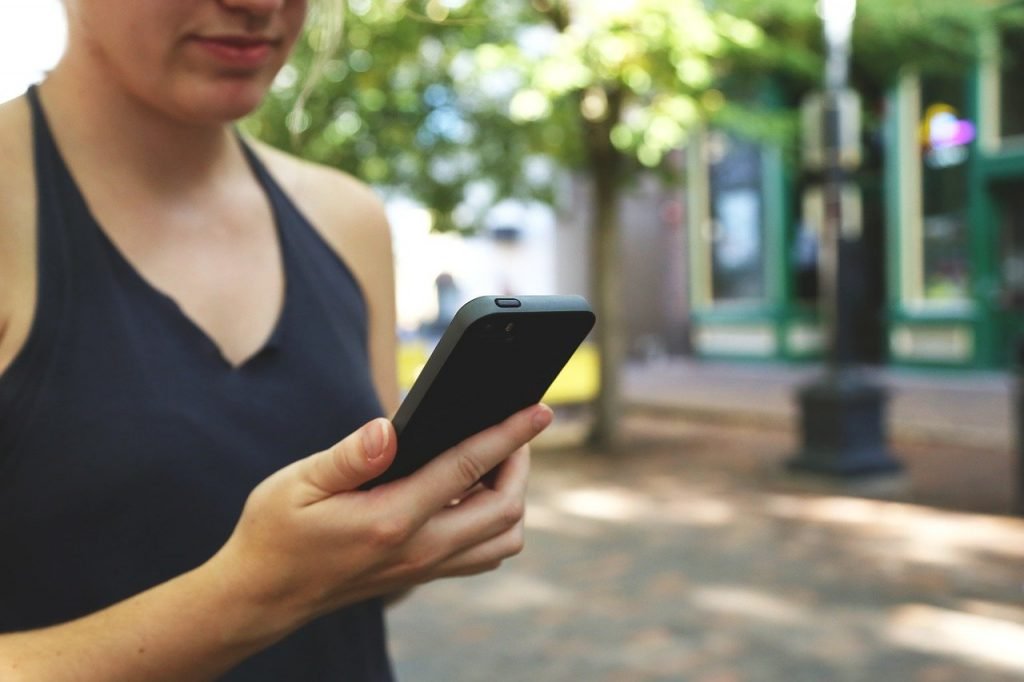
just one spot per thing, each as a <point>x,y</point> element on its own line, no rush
<point>244,52</point>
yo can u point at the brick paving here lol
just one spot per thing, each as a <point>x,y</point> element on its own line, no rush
<point>692,556</point>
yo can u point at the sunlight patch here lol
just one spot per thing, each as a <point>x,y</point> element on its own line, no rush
<point>602,504</point>
<point>974,638</point>
<point>743,601</point>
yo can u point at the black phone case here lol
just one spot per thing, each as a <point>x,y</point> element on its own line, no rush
<point>498,356</point>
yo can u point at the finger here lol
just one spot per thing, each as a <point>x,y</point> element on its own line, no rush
<point>512,475</point>
<point>510,480</point>
<point>482,557</point>
<point>493,479</point>
<point>349,463</point>
<point>448,476</point>
<point>487,514</point>
<point>468,494</point>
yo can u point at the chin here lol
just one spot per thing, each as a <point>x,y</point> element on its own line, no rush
<point>223,102</point>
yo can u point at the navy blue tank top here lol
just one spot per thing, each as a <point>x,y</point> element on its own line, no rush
<point>128,444</point>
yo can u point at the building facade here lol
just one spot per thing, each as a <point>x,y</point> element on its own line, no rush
<point>941,248</point>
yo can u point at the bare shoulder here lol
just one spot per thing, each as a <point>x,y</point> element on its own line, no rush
<point>347,212</point>
<point>349,216</point>
<point>17,228</point>
<point>15,165</point>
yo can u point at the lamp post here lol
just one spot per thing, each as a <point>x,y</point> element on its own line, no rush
<point>837,18</point>
<point>842,412</point>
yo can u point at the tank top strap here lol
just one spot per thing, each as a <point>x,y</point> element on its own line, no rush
<point>255,163</point>
<point>303,247</point>
<point>60,202</point>
<point>56,197</point>
<point>286,213</point>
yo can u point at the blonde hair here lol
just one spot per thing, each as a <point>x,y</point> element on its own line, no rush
<point>325,31</point>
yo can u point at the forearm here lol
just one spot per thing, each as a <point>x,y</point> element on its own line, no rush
<point>194,627</point>
<point>308,543</point>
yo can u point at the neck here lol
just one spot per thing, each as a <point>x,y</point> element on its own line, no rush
<point>99,118</point>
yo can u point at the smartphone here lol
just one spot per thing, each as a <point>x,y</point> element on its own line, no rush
<point>499,355</point>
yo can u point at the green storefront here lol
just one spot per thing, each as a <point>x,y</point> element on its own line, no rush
<point>942,238</point>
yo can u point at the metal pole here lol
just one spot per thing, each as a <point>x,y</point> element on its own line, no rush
<point>829,257</point>
<point>836,309</point>
<point>842,413</point>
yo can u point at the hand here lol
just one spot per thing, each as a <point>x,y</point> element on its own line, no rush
<point>309,542</point>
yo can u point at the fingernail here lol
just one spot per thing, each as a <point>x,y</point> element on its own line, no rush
<point>375,438</point>
<point>542,417</point>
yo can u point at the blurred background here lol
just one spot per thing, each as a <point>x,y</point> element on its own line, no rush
<point>789,451</point>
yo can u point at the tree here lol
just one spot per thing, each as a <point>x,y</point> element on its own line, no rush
<point>458,103</point>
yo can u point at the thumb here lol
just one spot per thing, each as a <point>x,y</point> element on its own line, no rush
<point>349,463</point>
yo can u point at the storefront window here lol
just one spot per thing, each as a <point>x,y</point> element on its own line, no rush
<point>1011,207</point>
<point>1011,95</point>
<point>737,247</point>
<point>945,148</point>
<point>805,263</point>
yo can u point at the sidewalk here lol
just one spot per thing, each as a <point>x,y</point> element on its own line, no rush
<point>953,432</point>
<point>966,408</point>
<point>689,558</point>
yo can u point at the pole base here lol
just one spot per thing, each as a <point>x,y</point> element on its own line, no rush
<point>842,428</point>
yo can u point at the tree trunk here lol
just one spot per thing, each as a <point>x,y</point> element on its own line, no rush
<point>605,173</point>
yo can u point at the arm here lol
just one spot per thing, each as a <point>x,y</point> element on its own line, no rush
<point>17,232</point>
<point>377,273</point>
<point>194,627</point>
<point>17,288</point>
<point>308,542</point>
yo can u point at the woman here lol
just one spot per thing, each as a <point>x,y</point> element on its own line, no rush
<point>190,324</point>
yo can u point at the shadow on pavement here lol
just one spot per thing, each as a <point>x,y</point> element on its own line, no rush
<point>692,558</point>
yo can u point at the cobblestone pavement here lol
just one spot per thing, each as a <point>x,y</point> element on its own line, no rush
<point>693,558</point>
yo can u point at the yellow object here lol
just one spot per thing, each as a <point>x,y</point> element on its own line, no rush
<point>577,382</point>
<point>412,355</point>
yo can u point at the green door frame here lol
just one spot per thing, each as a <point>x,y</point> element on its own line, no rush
<point>996,164</point>
<point>986,328</point>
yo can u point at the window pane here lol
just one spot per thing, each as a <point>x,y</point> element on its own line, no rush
<point>1011,95</point>
<point>804,250</point>
<point>737,248</point>
<point>945,152</point>
<point>1011,208</point>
